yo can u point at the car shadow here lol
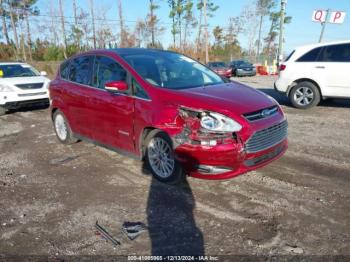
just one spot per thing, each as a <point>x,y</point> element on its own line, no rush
<point>283,99</point>
<point>171,223</point>
<point>280,98</point>
<point>28,109</point>
<point>334,102</point>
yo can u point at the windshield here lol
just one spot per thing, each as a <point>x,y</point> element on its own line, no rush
<point>17,70</point>
<point>245,64</point>
<point>171,70</point>
<point>217,64</point>
<point>241,63</point>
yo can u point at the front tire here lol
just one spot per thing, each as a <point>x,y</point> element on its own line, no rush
<point>2,110</point>
<point>160,158</point>
<point>305,95</point>
<point>62,129</point>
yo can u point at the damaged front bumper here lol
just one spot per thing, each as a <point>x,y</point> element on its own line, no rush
<point>225,161</point>
<point>220,154</point>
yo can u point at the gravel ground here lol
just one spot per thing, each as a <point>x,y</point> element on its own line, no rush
<point>51,195</point>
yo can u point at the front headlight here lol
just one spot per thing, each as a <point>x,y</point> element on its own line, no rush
<point>5,88</point>
<point>219,123</point>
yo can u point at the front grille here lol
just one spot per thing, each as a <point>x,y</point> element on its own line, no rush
<point>32,94</point>
<point>260,114</point>
<point>265,157</point>
<point>267,138</point>
<point>27,103</point>
<point>30,86</point>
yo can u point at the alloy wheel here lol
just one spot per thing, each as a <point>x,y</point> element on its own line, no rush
<point>304,96</point>
<point>160,157</point>
<point>61,128</point>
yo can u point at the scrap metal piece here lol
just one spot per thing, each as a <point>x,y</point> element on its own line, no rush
<point>106,235</point>
<point>133,229</point>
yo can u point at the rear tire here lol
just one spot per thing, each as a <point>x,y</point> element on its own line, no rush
<point>62,129</point>
<point>2,110</point>
<point>160,158</point>
<point>305,95</point>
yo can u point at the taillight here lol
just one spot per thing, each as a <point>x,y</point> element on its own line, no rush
<point>282,67</point>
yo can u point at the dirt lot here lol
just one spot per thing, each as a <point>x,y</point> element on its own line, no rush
<point>51,195</point>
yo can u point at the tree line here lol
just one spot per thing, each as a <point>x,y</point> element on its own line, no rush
<point>29,33</point>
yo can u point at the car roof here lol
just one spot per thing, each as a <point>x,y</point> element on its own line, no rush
<point>310,46</point>
<point>301,50</point>
<point>122,52</point>
<point>133,51</point>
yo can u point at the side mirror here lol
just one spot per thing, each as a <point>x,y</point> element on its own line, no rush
<point>43,73</point>
<point>116,86</point>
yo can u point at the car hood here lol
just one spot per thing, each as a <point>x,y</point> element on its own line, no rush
<point>232,99</point>
<point>24,80</point>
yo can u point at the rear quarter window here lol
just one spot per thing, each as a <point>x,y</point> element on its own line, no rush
<point>289,56</point>
<point>336,53</point>
<point>64,69</point>
<point>310,56</point>
<point>80,70</point>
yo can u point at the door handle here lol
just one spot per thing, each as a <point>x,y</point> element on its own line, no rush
<point>320,67</point>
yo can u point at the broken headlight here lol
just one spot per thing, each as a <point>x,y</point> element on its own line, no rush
<point>219,123</point>
<point>207,128</point>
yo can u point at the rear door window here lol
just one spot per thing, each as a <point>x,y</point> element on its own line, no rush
<point>64,70</point>
<point>310,56</point>
<point>106,70</point>
<point>336,53</point>
<point>80,70</point>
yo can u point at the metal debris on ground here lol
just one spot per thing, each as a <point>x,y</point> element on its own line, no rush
<point>106,235</point>
<point>62,160</point>
<point>133,229</point>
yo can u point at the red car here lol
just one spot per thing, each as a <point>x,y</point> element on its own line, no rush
<point>221,69</point>
<point>169,110</point>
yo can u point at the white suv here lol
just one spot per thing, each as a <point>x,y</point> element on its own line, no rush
<point>22,85</point>
<point>314,72</point>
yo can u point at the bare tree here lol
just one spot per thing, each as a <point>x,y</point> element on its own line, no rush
<point>13,17</point>
<point>75,13</point>
<point>180,8</point>
<point>3,15</point>
<point>29,39</point>
<point>28,9</point>
<point>210,9</point>
<point>86,28</point>
<point>152,19</point>
<point>190,21</point>
<point>250,24</point>
<point>200,8</point>
<point>263,9</point>
<point>52,25</point>
<point>122,31</point>
<point>140,32</point>
<point>205,31</point>
<point>23,45</point>
<point>172,14</point>
<point>93,22</point>
<point>151,25</point>
<point>64,38</point>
